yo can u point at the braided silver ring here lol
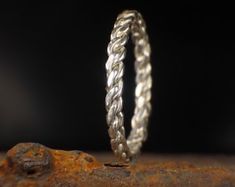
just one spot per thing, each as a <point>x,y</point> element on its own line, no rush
<point>128,21</point>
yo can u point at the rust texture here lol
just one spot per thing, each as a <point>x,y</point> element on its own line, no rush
<point>33,165</point>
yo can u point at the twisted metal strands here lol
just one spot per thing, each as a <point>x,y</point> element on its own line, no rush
<point>128,21</point>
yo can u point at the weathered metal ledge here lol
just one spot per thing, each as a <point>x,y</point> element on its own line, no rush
<point>33,165</point>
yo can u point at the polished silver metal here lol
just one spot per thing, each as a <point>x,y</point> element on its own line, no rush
<point>129,21</point>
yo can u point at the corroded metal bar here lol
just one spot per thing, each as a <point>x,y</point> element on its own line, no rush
<point>29,165</point>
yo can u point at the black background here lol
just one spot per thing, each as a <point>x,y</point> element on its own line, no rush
<point>52,76</point>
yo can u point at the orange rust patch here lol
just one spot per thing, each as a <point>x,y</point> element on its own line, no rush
<point>31,165</point>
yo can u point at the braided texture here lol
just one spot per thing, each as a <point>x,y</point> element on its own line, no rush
<point>129,21</point>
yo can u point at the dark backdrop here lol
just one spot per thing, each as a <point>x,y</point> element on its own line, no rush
<point>52,76</point>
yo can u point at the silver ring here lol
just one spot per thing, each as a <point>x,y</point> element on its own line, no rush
<point>129,21</point>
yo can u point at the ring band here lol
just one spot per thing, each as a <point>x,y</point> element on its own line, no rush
<point>129,21</point>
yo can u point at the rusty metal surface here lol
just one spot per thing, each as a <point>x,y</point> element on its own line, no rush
<point>33,165</point>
